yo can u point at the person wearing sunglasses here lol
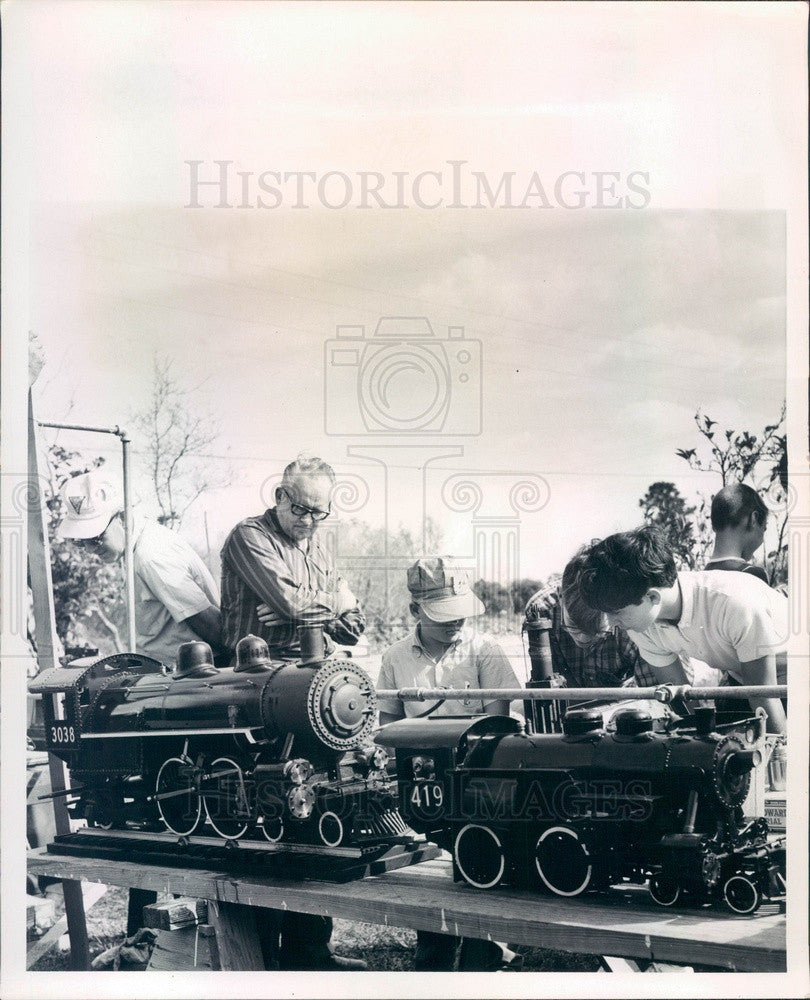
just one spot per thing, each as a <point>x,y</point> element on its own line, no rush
<point>276,575</point>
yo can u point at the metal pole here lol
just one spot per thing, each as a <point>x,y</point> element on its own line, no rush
<point>664,693</point>
<point>129,550</point>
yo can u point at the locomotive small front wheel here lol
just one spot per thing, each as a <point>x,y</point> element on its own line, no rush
<point>563,861</point>
<point>479,856</point>
<point>226,805</point>
<point>330,829</point>
<point>177,798</point>
<point>664,889</point>
<point>741,895</point>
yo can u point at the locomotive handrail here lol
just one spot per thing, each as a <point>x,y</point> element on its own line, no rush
<point>663,692</point>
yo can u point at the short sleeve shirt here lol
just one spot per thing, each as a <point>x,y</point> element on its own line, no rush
<point>727,619</point>
<point>172,583</point>
<point>475,660</point>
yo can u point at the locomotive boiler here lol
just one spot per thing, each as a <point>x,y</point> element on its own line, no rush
<point>586,809</point>
<point>268,750</point>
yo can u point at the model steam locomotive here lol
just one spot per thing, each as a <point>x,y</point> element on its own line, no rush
<point>266,749</point>
<point>588,808</point>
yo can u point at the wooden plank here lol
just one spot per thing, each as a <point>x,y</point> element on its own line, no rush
<point>138,899</point>
<point>90,895</point>
<point>182,950</point>
<point>237,938</point>
<point>425,897</point>
<point>39,570</point>
<point>174,913</point>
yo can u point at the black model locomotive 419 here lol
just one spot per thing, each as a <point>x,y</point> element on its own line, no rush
<point>266,750</point>
<point>588,808</point>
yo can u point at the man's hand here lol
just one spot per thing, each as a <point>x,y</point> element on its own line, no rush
<point>269,617</point>
<point>541,605</point>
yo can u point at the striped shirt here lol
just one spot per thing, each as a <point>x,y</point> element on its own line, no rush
<point>612,660</point>
<point>260,564</point>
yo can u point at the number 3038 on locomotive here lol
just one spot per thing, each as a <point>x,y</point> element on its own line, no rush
<point>272,750</point>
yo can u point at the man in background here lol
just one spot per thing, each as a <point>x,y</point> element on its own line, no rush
<point>739,517</point>
<point>176,598</point>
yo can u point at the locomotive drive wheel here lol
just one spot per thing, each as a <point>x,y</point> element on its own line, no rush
<point>273,830</point>
<point>664,889</point>
<point>562,861</point>
<point>181,809</point>
<point>226,803</point>
<point>479,856</point>
<point>331,829</point>
<point>742,895</point>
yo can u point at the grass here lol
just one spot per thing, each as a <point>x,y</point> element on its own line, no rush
<point>385,949</point>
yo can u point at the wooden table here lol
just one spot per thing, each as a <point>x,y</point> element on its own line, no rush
<point>425,897</point>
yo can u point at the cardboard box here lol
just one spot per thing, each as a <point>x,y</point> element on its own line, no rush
<point>776,811</point>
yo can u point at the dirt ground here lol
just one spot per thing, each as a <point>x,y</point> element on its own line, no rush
<point>385,949</point>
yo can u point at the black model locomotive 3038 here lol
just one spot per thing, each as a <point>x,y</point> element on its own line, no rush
<point>266,750</point>
<point>588,808</point>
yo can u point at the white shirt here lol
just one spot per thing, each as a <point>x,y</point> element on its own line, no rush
<point>473,660</point>
<point>727,619</point>
<point>172,583</point>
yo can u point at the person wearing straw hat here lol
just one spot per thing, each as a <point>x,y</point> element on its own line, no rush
<point>176,597</point>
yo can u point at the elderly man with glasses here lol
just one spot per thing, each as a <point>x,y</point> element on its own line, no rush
<point>276,575</point>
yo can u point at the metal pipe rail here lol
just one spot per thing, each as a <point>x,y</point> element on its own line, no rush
<point>664,693</point>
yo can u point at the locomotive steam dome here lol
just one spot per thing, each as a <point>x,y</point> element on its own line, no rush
<point>194,659</point>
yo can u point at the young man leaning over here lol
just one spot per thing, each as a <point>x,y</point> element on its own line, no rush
<point>443,652</point>
<point>732,621</point>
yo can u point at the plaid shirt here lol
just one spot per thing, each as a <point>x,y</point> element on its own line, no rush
<point>612,660</point>
<point>260,564</point>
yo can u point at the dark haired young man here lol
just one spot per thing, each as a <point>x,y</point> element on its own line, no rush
<point>732,621</point>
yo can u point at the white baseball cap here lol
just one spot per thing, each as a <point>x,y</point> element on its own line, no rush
<point>441,587</point>
<point>91,501</point>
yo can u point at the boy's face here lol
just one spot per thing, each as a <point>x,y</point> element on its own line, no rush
<point>442,633</point>
<point>638,617</point>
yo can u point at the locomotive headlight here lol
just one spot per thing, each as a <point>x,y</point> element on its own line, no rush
<point>301,801</point>
<point>423,767</point>
<point>298,771</point>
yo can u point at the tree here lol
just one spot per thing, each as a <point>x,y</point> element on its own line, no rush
<point>374,563</point>
<point>87,593</point>
<point>664,508</point>
<point>177,439</point>
<point>521,591</point>
<point>494,596</point>
<point>737,456</point>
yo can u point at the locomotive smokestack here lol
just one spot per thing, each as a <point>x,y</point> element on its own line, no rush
<point>313,645</point>
<point>544,716</point>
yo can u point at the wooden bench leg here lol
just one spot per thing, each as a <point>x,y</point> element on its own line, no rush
<point>237,939</point>
<point>138,898</point>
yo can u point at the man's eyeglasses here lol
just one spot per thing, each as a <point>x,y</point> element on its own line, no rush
<point>299,510</point>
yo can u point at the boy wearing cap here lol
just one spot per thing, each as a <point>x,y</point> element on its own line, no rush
<point>176,598</point>
<point>441,651</point>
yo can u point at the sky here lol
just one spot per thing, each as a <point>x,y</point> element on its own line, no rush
<point>644,276</point>
<point>581,222</point>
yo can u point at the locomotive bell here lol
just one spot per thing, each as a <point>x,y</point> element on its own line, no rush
<point>252,654</point>
<point>194,659</point>
<point>633,722</point>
